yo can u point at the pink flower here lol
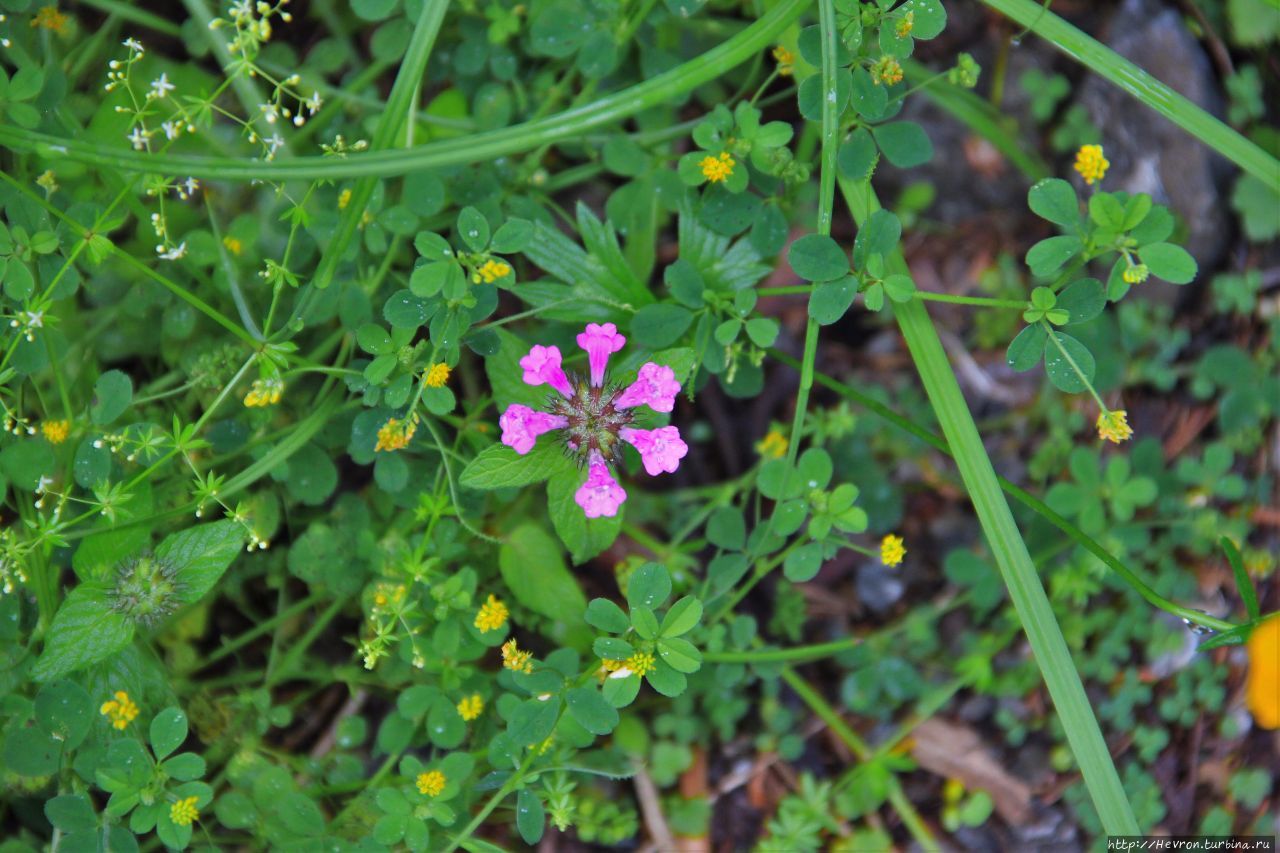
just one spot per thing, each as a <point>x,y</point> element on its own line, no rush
<point>655,387</point>
<point>600,495</point>
<point>660,449</point>
<point>600,342</point>
<point>542,367</point>
<point>521,426</point>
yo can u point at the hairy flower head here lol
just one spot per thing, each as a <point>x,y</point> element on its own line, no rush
<point>184,811</point>
<point>431,783</point>
<point>437,375</point>
<point>396,434</point>
<point>121,710</point>
<point>717,168</point>
<point>1114,426</point>
<point>892,550</point>
<point>146,589</point>
<point>471,707</point>
<point>886,71</point>
<point>492,615</point>
<point>55,431</point>
<point>516,660</point>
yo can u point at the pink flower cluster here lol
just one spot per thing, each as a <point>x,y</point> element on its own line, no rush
<point>594,418</point>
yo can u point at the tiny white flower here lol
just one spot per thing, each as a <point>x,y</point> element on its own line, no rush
<point>161,87</point>
<point>191,185</point>
<point>43,485</point>
<point>274,144</point>
<point>138,137</point>
<point>171,129</point>
<point>313,103</point>
<point>176,252</point>
<point>133,44</point>
<point>270,111</point>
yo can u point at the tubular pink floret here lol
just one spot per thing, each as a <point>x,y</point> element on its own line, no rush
<point>600,495</point>
<point>660,449</point>
<point>655,387</point>
<point>522,425</point>
<point>542,367</point>
<point>600,341</point>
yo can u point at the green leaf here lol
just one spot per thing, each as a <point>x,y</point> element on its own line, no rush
<point>201,554</point>
<point>65,711</point>
<point>1068,364</point>
<point>534,720</point>
<point>727,529</point>
<point>930,18</point>
<point>1027,348</point>
<point>1082,300</point>
<point>445,726</point>
<point>85,630</point>
<point>816,257</point>
<point>591,711</point>
<point>500,467</point>
<point>168,731</point>
<point>683,616</point>
<point>681,655</point>
<point>533,567</point>
<point>607,616</point>
<point>530,817</point>
<point>904,143</point>
<point>857,156</point>
<point>112,394</point>
<point>621,692</point>
<point>512,237</point>
<point>645,622</point>
<point>185,766</point>
<point>899,287</point>
<point>473,228</point>
<point>666,680</point>
<point>660,325</point>
<point>648,586</point>
<point>1106,211</point>
<point>71,813</point>
<point>1047,257</point>
<point>802,564</point>
<point>611,648</point>
<point>1169,262</point>
<point>830,300</point>
<point>1244,583</point>
<point>1055,200</point>
<point>879,235</point>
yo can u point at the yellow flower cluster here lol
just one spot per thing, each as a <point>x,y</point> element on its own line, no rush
<point>773,446</point>
<point>1090,163</point>
<point>264,392</point>
<point>396,434</point>
<point>234,245</point>
<point>1135,273</point>
<point>490,271</point>
<point>49,18</point>
<point>492,616</point>
<point>886,71</point>
<point>786,61</point>
<point>344,199</point>
<point>437,375</point>
<point>470,707</point>
<point>905,24</point>
<point>516,660</point>
<point>183,812</point>
<point>717,168</point>
<point>431,783</point>
<point>56,431</point>
<point>121,710</point>
<point>892,550</point>
<point>640,663</point>
<point>1114,426</point>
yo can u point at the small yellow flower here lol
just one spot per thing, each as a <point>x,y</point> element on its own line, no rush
<point>1135,273</point>
<point>1091,164</point>
<point>492,616</point>
<point>786,61</point>
<point>905,24</point>
<point>541,748</point>
<point>344,199</point>
<point>774,445</point>
<point>470,707</point>
<point>264,392</point>
<point>892,550</point>
<point>234,245</point>
<point>121,710</point>
<point>1263,686</point>
<point>717,169</point>
<point>183,812</point>
<point>516,660</point>
<point>490,271</point>
<point>640,663</point>
<point>48,181</point>
<point>49,18</point>
<point>437,375</point>
<point>56,431</point>
<point>1114,426</point>
<point>886,71</point>
<point>431,783</point>
<point>396,434</point>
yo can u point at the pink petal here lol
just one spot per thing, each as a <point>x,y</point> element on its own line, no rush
<point>655,387</point>
<point>600,342</point>
<point>542,367</point>
<point>600,495</point>
<point>522,425</point>
<point>660,449</point>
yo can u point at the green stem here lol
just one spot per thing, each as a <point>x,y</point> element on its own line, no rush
<point>841,729</point>
<point>282,671</point>
<point>1020,574</point>
<point>477,148</point>
<point>254,633</point>
<point>971,300</point>
<point>1108,64</point>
